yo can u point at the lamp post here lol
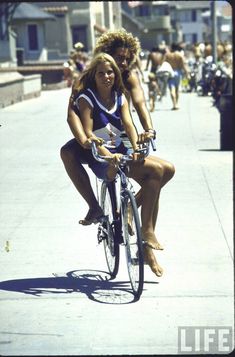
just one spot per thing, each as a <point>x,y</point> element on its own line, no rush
<point>214,30</point>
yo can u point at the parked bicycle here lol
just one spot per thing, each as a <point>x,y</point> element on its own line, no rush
<point>121,224</point>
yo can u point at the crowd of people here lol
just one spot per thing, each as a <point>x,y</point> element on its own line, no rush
<point>103,88</point>
<point>180,66</point>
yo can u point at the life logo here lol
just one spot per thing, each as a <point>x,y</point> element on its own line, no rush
<point>205,340</point>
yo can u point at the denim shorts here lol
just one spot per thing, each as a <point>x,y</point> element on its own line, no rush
<point>84,156</point>
<point>100,168</point>
<point>175,81</point>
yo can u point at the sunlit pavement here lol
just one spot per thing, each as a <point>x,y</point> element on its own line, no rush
<point>55,296</point>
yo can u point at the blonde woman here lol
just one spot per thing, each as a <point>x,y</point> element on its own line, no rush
<point>104,113</point>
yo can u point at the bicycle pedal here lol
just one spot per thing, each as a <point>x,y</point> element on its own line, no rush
<point>101,235</point>
<point>102,219</point>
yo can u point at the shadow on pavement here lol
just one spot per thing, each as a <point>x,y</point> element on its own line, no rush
<point>96,285</point>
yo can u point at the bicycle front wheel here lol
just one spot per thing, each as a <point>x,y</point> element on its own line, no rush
<point>108,226</point>
<point>133,243</point>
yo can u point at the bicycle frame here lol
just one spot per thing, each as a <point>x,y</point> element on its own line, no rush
<point>121,223</point>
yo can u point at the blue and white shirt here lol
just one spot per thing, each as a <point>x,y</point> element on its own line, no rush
<point>107,124</point>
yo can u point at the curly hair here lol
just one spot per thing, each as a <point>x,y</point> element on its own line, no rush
<point>87,79</point>
<point>110,40</point>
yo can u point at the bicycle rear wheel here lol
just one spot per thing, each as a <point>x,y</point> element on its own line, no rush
<point>133,243</point>
<point>108,227</point>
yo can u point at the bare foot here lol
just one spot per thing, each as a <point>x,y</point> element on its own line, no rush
<point>150,259</point>
<point>152,241</point>
<point>93,216</point>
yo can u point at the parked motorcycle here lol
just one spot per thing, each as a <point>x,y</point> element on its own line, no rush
<point>208,69</point>
<point>222,97</point>
<point>192,84</point>
<point>221,84</point>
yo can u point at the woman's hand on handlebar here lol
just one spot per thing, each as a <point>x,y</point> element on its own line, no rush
<point>86,142</point>
<point>98,141</point>
<point>115,159</point>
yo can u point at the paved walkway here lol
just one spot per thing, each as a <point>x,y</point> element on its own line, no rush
<point>54,296</point>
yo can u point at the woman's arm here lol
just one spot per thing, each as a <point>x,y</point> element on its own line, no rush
<point>129,125</point>
<point>75,125</point>
<point>86,116</point>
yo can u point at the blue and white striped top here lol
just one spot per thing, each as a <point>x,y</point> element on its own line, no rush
<point>107,124</point>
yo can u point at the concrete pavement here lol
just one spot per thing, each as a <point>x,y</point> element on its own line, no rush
<point>55,299</point>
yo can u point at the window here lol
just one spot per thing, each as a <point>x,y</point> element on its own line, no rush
<point>194,15</point>
<point>79,34</point>
<point>33,37</point>
<point>143,10</point>
<point>160,10</point>
<point>188,16</point>
<point>190,38</point>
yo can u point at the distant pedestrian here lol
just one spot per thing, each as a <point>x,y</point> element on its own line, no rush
<point>79,57</point>
<point>177,62</point>
<point>76,64</point>
<point>164,73</point>
<point>153,91</point>
<point>154,59</point>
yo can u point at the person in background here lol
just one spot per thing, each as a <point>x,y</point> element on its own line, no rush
<point>152,91</point>
<point>76,64</point>
<point>155,59</point>
<point>177,62</point>
<point>79,57</point>
<point>69,72</point>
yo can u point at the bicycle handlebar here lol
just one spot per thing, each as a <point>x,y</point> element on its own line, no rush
<point>153,144</point>
<point>144,151</point>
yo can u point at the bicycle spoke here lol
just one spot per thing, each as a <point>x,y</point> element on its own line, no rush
<point>107,229</point>
<point>133,244</point>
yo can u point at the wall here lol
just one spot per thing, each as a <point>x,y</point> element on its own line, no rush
<point>22,40</point>
<point>14,87</point>
<point>58,37</point>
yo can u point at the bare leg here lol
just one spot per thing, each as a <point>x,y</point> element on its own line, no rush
<point>177,96</point>
<point>150,259</point>
<point>164,172</point>
<point>173,97</point>
<point>150,181</point>
<point>151,104</point>
<point>155,214</point>
<point>168,173</point>
<point>81,181</point>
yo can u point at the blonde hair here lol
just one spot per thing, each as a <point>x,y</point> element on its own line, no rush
<point>87,78</point>
<point>111,40</point>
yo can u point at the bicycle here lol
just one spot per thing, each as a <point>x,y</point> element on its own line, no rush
<point>162,79</point>
<point>121,224</point>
